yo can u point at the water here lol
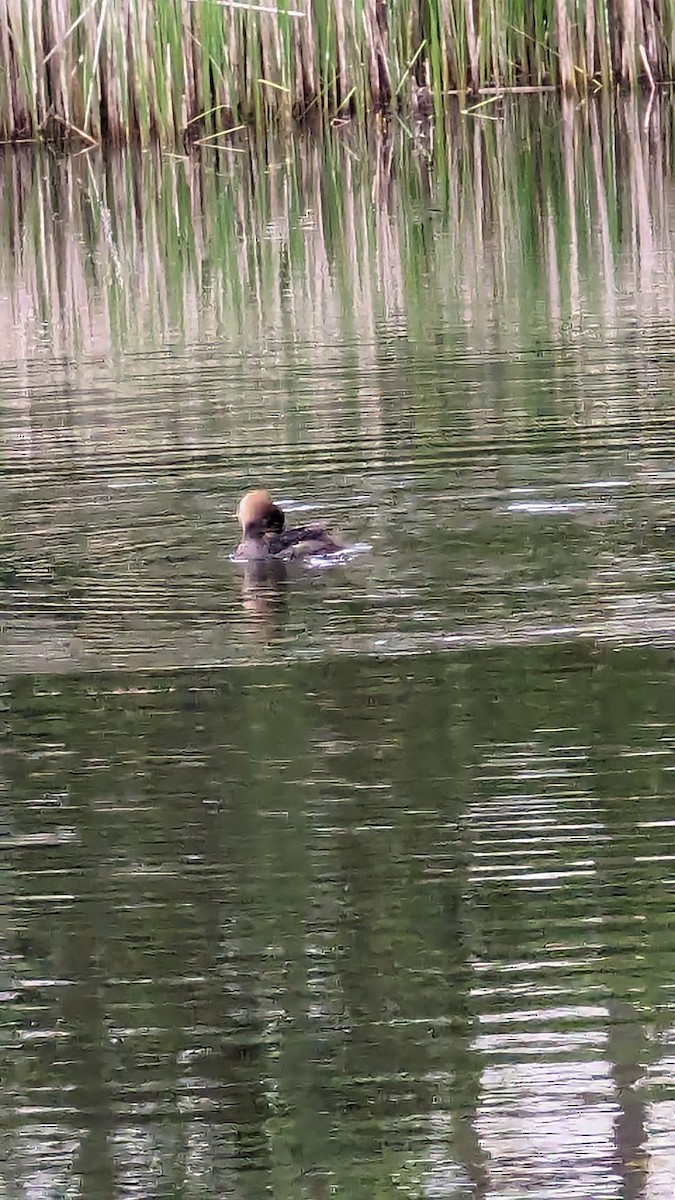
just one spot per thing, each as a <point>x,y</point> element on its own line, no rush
<point>358,883</point>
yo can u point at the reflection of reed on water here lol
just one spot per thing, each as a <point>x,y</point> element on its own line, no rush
<point>287,265</point>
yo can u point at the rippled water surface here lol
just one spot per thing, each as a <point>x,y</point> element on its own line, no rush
<point>357,882</point>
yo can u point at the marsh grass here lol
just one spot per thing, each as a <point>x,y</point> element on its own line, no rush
<point>120,70</point>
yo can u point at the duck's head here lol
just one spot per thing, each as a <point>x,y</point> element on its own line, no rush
<point>258,514</point>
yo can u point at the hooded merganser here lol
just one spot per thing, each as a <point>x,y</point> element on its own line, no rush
<point>265,536</point>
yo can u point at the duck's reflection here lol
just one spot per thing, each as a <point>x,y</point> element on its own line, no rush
<point>264,590</point>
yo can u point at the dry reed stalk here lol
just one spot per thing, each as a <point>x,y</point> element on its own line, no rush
<point>339,86</point>
<point>563,38</point>
<point>7,113</point>
<point>627,69</point>
<point>192,94</point>
<point>589,41</point>
<point>375,31</point>
<point>499,66</point>
<point>21,122</point>
<point>307,71</point>
<point>270,70</point>
<point>472,45</point>
<point>36,42</point>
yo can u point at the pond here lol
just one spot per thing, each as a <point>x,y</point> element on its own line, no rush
<point>357,882</point>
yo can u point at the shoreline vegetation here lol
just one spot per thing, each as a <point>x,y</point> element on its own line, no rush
<point>121,71</point>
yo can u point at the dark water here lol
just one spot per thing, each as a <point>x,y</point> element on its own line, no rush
<point>359,883</point>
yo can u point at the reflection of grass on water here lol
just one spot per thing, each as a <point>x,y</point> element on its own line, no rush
<point>317,248</point>
<point>111,71</point>
<point>281,964</point>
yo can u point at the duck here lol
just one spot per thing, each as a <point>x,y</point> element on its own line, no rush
<point>265,536</point>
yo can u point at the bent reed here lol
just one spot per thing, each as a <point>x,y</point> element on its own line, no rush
<point>128,70</point>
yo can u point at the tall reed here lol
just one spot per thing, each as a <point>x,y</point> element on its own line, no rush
<point>121,70</point>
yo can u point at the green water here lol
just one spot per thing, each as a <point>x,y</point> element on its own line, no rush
<point>356,883</point>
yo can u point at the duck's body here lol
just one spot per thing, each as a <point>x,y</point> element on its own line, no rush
<point>265,536</point>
